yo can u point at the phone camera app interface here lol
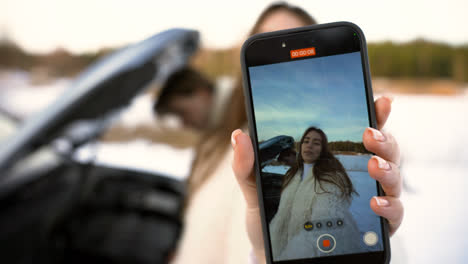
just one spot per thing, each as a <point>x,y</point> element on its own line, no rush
<point>310,115</point>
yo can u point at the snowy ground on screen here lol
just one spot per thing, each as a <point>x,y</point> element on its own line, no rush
<point>356,167</point>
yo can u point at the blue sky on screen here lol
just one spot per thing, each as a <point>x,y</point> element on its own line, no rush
<point>327,92</point>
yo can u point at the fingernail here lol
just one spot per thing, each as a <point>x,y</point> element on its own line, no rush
<point>381,163</point>
<point>234,137</point>
<point>381,202</point>
<point>377,135</point>
<point>390,97</point>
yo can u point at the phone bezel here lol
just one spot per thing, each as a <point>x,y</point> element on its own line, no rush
<point>369,257</point>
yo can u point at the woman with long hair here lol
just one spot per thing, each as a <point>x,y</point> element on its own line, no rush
<point>215,142</point>
<point>217,211</point>
<point>214,216</point>
<point>316,188</point>
<point>313,149</point>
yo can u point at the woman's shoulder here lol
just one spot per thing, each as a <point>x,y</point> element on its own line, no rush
<point>328,183</point>
<point>328,186</point>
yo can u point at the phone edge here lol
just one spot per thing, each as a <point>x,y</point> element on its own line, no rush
<point>253,136</point>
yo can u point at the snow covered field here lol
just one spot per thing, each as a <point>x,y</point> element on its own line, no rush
<point>18,95</point>
<point>432,133</point>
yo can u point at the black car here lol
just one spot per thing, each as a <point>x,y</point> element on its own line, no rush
<point>55,209</point>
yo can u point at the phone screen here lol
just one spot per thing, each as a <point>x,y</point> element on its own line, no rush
<point>310,108</point>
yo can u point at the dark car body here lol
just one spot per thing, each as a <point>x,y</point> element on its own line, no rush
<point>54,209</point>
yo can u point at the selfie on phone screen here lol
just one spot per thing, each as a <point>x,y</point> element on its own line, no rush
<point>309,116</point>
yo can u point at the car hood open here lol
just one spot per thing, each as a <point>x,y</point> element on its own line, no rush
<point>108,85</point>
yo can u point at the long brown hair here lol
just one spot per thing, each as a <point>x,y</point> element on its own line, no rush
<point>298,12</point>
<point>327,168</point>
<point>215,142</point>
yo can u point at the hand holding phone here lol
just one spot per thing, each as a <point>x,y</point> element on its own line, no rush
<point>241,166</point>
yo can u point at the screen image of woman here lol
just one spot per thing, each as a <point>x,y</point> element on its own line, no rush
<point>313,217</point>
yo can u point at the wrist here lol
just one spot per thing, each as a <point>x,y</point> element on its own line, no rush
<point>260,255</point>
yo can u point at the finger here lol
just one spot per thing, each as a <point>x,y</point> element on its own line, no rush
<point>387,174</point>
<point>242,166</point>
<point>383,106</point>
<point>254,231</point>
<point>382,144</point>
<point>390,208</point>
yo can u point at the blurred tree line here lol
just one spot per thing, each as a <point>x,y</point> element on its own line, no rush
<point>415,59</point>
<point>347,146</point>
<point>57,63</point>
<point>419,59</point>
<point>341,146</point>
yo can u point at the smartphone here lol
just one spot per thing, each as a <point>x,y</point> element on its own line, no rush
<point>309,99</point>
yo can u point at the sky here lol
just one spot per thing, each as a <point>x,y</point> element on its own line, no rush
<point>326,92</point>
<point>86,25</point>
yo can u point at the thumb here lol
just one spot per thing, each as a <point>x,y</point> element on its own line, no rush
<point>242,166</point>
